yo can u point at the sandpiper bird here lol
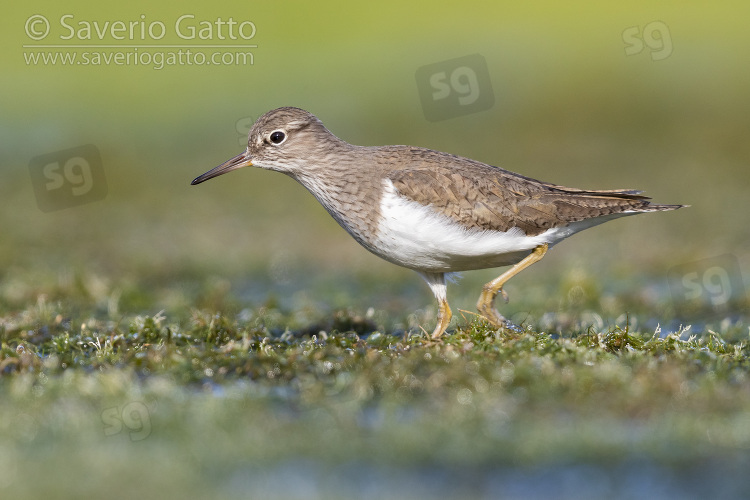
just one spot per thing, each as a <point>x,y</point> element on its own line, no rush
<point>429,211</point>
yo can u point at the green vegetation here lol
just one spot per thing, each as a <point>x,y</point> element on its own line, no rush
<point>227,397</point>
<point>230,341</point>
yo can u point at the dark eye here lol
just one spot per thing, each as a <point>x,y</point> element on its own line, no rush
<point>277,137</point>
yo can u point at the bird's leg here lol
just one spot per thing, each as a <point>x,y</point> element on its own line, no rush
<point>444,317</point>
<point>490,290</point>
<point>436,282</point>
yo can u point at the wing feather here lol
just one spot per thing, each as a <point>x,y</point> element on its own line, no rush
<point>491,198</point>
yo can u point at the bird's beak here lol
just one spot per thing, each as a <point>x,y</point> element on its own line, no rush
<point>239,161</point>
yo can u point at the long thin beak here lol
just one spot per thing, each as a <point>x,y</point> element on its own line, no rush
<point>239,161</point>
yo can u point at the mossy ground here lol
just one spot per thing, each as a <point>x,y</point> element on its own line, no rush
<point>208,405</point>
<point>229,340</point>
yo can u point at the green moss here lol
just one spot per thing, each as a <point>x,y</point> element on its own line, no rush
<point>243,390</point>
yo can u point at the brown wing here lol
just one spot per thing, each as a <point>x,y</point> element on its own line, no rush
<point>490,198</point>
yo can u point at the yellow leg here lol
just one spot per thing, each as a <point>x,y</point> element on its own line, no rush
<point>444,317</point>
<point>486,302</point>
<point>436,282</point>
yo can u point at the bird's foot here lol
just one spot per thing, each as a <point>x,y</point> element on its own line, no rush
<point>490,314</point>
<point>444,318</point>
<point>486,304</point>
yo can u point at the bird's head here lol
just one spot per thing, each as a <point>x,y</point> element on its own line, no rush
<point>288,140</point>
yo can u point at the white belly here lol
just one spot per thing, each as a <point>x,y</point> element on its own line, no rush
<point>417,237</point>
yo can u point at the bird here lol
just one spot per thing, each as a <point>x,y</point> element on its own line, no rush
<point>433,212</point>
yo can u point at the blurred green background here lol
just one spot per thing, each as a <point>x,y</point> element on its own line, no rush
<point>570,108</point>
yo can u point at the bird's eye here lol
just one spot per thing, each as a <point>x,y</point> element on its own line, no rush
<point>277,137</point>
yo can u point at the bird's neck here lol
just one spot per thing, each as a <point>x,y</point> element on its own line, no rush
<point>349,191</point>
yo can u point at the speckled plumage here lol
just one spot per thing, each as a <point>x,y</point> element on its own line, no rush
<point>491,198</point>
<point>478,215</point>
